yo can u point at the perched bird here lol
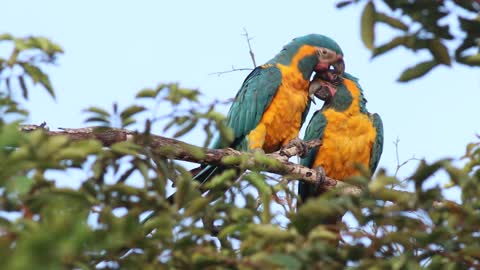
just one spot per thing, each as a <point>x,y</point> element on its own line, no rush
<point>350,134</point>
<point>272,103</point>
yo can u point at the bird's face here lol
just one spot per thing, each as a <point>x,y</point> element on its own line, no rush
<point>329,60</point>
<point>324,85</point>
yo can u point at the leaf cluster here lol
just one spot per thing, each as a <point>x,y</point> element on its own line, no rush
<point>424,26</point>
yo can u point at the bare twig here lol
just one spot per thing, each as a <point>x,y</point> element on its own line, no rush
<point>252,55</point>
<point>229,71</point>
<point>397,157</point>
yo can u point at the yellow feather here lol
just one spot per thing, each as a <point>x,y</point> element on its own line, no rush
<point>348,139</point>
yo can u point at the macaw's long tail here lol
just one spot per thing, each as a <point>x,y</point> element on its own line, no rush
<point>200,174</point>
<point>204,173</point>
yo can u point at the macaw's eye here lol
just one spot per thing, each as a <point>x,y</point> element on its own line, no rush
<point>324,52</point>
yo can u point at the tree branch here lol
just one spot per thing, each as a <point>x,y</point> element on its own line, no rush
<point>252,55</point>
<point>178,150</point>
<point>229,71</point>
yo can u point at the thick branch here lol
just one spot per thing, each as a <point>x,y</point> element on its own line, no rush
<point>178,150</point>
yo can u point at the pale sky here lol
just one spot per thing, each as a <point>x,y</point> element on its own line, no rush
<point>115,48</point>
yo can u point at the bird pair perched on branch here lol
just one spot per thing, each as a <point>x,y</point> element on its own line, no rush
<point>274,100</point>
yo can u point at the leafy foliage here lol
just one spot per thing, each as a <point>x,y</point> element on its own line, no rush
<point>245,221</point>
<point>424,26</point>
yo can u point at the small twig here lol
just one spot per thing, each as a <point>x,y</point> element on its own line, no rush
<point>397,157</point>
<point>229,71</point>
<point>252,55</point>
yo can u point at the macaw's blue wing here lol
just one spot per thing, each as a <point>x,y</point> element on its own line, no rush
<point>314,130</point>
<point>378,144</point>
<point>250,103</point>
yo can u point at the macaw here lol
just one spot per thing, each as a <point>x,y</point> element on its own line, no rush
<point>274,99</point>
<point>350,134</point>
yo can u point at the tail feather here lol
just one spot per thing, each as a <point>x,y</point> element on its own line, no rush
<point>203,173</point>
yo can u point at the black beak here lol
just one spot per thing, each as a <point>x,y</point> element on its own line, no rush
<point>339,66</point>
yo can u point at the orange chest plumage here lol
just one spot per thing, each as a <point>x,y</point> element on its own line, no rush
<point>282,119</point>
<point>347,140</point>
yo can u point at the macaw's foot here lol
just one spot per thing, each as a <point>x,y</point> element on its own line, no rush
<point>301,148</point>
<point>321,180</point>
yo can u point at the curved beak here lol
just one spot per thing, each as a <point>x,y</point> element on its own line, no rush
<point>322,89</point>
<point>339,66</point>
<point>315,85</point>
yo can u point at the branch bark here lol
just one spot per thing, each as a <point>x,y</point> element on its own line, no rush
<point>178,150</point>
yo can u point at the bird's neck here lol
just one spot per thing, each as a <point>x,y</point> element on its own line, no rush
<point>349,98</point>
<point>300,58</point>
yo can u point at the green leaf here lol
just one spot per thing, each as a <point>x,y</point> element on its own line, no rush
<point>125,148</point>
<point>367,25</point>
<point>6,37</point>
<point>20,185</point>
<point>38,76</point>
<point>388,46</point>
<point>417,71</point>
<point>183,190</point>
<point>471,60</point>
<point>321,232</point>
<point>44,44</point>
<point>220,181</point>
<point>131,111</point>
<point>439,51</point>
<point>186,128</point>
<point>146,93</point>
<point>97,110</point>
<point>127,122</point>
<point>425,170</point>
<point>393,22</point>
<point>13,57</point>
<point>100,120</point>
<point>80,149</point>
<point>9,135</point>
<point>273,233</point>
<point>196,206</point>
<point>285,261</point>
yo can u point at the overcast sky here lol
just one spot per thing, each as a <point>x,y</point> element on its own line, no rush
<point>115,48</point>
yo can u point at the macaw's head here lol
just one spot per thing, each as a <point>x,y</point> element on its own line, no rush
<point>324,85</point>
<point>336,91</point>
<point>312,52</point>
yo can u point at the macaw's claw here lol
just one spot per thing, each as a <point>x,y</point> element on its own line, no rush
<point>321,179</point>
<point>300,145</point>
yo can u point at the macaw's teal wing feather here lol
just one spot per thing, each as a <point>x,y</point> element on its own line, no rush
<point>250,103</point>
<point>315,130</point>
<point>378,144</point>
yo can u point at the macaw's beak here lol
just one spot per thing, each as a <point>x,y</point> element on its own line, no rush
<point>312,90</point>
<point>339,66</point>
<point>322,89</point>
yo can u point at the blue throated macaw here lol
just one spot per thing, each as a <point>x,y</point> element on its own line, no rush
<point>274,99</point>
<point>350,134</point>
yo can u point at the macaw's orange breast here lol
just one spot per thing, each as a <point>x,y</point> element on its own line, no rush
<point>348,140</point>
<point>282,119</point>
